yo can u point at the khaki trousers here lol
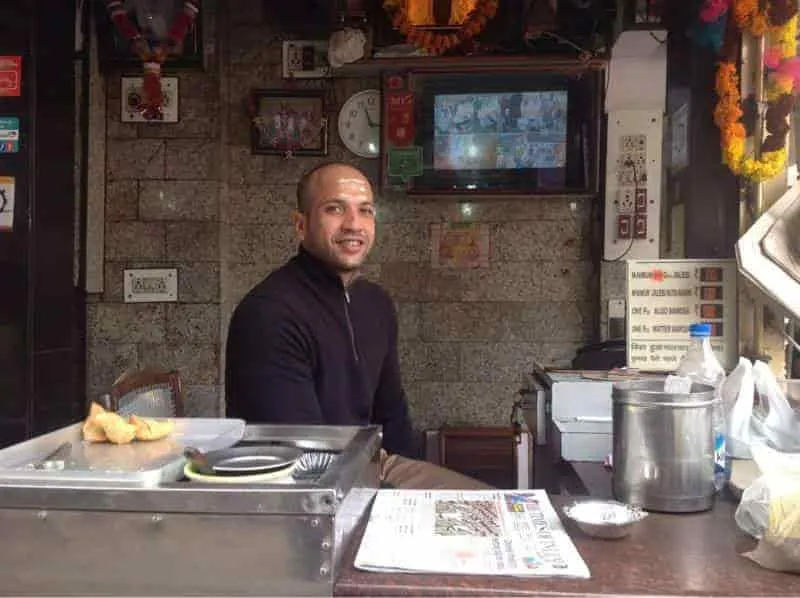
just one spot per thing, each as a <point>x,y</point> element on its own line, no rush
<point>409,474</point>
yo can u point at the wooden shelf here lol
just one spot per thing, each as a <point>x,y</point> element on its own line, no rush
<point>374,66</point>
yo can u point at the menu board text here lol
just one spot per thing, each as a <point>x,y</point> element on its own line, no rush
<point>664,297</point>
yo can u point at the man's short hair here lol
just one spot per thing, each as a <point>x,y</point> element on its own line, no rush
<point>304,198</point>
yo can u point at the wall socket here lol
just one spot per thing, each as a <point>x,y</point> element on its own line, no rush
<point>625,177</point>
<point>632,143</point>
<point>626,200</point>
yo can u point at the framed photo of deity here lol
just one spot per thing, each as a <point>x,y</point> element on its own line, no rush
<point>289,122</point>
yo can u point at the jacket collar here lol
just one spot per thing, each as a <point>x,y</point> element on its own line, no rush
<point>318,269</point>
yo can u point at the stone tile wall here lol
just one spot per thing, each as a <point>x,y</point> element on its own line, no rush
<point>192,196</point>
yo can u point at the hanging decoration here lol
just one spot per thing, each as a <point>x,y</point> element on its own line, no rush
<point>435,42</point>
<point>709,29</point>
<point>778,20</point>
<point>153,54</point>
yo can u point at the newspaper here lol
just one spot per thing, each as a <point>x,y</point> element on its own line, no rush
<point>473,532</point>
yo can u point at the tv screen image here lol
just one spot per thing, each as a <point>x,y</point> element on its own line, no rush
<point>500,131</point>
<point>518,131</point>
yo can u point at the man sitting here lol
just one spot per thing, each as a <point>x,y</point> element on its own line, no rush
<point>315,344</point>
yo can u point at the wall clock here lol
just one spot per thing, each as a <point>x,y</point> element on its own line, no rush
<point>360,123</point>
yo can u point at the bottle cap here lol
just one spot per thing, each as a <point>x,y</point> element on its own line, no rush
<point>700,330</point>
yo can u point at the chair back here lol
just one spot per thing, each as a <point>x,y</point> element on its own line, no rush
<point>148,393</point>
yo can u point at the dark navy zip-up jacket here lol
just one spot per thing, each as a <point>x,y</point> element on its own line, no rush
<point>302,349</point>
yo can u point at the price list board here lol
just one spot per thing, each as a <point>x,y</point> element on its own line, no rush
<point>664,297</point>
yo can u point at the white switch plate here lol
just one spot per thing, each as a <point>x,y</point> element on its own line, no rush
<point>616,308</point>
<point>635,135</point>
<point>132,94</point>
<point>151,285</point>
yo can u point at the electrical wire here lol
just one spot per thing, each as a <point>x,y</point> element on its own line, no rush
<point>631,164</point>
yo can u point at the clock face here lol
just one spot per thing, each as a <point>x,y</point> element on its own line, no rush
<point>360,123</point>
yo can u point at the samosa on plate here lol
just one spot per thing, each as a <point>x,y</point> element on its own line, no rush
<point>117,430</point>
<point>151,429</point>
<point>92,430</point>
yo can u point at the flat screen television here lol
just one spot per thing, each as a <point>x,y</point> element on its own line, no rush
<point>513,132</point>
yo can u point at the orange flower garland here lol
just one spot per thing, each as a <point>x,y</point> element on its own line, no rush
<point>782,28</point>
<point>748,17</point>
<point>438,43</point>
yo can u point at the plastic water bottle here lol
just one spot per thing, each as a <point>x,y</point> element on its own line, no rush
<point>702,366</point>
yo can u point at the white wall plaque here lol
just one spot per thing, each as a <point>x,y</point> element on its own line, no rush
<point>132,95</point>
<point>151,285</point>
<point>666,296</point>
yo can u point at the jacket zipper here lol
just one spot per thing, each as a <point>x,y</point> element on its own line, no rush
<point>350,325</point>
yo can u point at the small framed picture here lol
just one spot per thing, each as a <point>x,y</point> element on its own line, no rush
<point>289,122</point>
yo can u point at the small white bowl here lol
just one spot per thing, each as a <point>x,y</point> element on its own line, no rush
<point>607,519</point>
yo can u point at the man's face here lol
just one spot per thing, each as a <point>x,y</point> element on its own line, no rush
<point>339,226</point>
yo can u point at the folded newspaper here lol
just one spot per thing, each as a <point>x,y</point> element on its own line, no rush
<point>472,532</point>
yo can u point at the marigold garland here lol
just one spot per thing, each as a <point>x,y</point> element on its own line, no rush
<point>749,18</point>
<point>153,56</point>
<point>779,21</point>
<point>438,43</point>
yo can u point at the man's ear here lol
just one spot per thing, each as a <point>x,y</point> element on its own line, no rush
<point>299,222</point>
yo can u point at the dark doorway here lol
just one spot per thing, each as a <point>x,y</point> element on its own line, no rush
<point>42,311</point>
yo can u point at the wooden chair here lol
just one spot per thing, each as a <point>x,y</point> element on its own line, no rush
<point>148,392</point>
<point>484,453</point>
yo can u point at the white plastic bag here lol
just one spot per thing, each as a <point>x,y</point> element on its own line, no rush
<point>770,510</point>
<point>678,385</point>
<point>737,398</point>
<point>774,419</point>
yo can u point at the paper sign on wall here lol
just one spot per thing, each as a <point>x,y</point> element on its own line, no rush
<point>460,245</point>
<point>6,203</point>
<point>10,76</point>
<point>9,134</point>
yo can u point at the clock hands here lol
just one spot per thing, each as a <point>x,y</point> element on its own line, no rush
<point>361,134</point>
<point>372,124</point>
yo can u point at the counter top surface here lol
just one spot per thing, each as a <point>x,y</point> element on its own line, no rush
<point>666,555</point>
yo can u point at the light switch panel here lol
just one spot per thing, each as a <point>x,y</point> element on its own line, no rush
<point>132,96</point>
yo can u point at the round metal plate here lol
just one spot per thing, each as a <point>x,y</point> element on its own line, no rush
<point>250,460</point>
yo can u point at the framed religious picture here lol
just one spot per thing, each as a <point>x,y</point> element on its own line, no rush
<point>289,122</point>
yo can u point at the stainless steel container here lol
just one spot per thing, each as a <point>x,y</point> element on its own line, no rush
<point>663,447</point>
<point>79,537</point>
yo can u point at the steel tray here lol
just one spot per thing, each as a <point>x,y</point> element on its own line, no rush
<point>135,465</point>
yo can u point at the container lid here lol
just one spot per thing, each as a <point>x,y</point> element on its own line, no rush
<point>700,330</point>
<point>651,392</point>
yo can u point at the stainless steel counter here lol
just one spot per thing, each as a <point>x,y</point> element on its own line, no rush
<point>192,538</point>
